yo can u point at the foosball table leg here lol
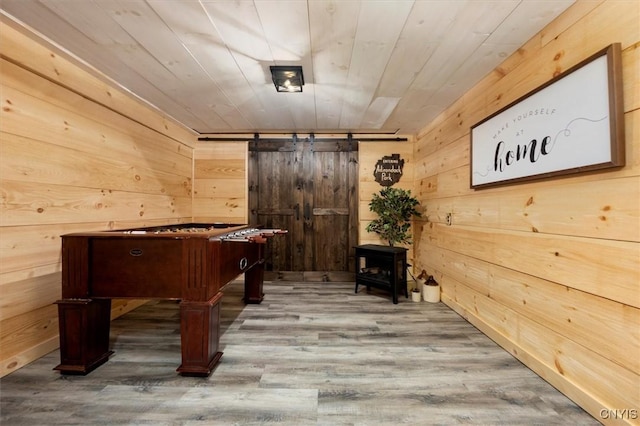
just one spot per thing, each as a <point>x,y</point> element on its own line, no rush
<point>253,280</point>
<point>84,334</point>
<point>200,336</point>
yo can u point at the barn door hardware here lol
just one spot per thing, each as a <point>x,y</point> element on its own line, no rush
<point>297,209</point>
<point>307,211</point>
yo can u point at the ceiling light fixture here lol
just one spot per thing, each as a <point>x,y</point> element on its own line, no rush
<point>287,78</point>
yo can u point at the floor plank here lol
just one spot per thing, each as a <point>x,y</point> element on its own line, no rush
<point>313,353</point>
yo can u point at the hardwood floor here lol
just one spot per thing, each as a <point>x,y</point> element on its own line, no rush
<point>310,354</point>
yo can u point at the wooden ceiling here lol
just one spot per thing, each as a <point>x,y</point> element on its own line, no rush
<point>370,66</point>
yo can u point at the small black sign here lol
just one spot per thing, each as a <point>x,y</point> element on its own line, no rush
<point>388,170</point>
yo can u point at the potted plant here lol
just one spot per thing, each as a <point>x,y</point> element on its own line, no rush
<point>415,285</point>
<point>395,208</point>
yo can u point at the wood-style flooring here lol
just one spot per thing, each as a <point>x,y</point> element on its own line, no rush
<point>310,354</point>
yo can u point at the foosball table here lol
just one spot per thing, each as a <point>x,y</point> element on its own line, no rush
<point>188,262</point>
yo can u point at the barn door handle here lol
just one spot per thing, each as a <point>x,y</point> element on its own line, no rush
<point>297,208</point>
<point>307,212</point>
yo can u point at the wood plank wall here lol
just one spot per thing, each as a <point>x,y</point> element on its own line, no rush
<point>77,154</point>
<point>550,270</point>
<point>220,192</point>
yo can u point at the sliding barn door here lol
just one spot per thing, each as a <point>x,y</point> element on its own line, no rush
<point>309,188</point>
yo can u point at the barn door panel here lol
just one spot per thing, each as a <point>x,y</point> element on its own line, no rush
<point>331,211</point>
<point>309,189</point>
<point>276,202</point>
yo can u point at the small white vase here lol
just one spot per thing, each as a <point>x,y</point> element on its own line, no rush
<point>431,293</point>
<point>415,296</point>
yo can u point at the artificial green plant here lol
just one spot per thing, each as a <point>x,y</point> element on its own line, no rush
<point>395,208</point>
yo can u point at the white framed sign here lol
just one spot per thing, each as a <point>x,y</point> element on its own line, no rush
<point>573,123</point>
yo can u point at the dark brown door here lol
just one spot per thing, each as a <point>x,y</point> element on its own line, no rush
<point>307,186</point>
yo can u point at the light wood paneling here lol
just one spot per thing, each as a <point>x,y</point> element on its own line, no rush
<point>53,65</point>
<point>548,269</point>
<point>85,126</point>
<point>556,208</point>
<point>77,155</point>
<point>571,261</point>
<point>50,203</point>
<point>220,182</point>
<point>381,66</point>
